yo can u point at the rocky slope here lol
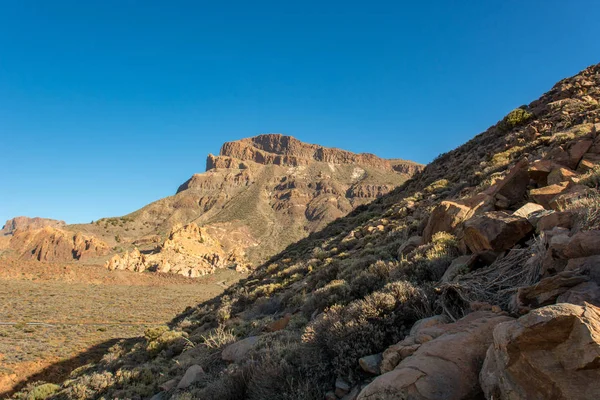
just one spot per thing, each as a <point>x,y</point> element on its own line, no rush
<point>478,278</point>
<point>256,197</point>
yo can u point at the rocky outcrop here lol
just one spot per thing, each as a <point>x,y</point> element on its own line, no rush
<point>53,244</point>
<point>188,250</point>
<point>24,223</point>
<point>443,361</point>
<point>278,149</point>
<point>551,353</point>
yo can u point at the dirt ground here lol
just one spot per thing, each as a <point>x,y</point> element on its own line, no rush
<point>51,312</point>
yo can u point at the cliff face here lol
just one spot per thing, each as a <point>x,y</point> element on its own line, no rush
<point>278,149</point>
<point>53,244</point>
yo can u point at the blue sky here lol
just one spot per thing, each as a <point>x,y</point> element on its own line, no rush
<point>108,105</point>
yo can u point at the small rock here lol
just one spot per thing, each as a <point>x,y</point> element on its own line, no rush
<point>330,396</point>
<point>527,210</point>
<point>279,324</point>
<point>342,387</point>
<point>412,243</point>
<point>371,364</point>
<point>238,350</point>
<point>168,385</point>
<point>192,375</point>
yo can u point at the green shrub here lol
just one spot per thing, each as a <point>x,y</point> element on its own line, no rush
<point>516,117</point>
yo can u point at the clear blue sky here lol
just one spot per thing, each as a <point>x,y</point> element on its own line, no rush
<point>108,105</point>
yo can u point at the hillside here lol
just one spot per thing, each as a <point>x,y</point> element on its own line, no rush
<point>477,278</point>
<point>256,197</point>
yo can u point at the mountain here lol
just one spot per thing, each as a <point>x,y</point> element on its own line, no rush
<point>256,197</point>
<point>477,278</point>
<point>24,223</point>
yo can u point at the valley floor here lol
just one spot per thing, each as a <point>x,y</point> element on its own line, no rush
<point>51,313</point>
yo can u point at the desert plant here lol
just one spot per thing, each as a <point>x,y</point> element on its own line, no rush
<point>516,117</point>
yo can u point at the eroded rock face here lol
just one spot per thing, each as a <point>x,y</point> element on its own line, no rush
<point>53,244</point>
<point>285,150</point>
<point>551,353</point>
<point>445,365</point>
<point>188,250</point>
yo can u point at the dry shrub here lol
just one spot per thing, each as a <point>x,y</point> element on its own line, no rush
<point>591,178</point>
<point>366,326</point>
<point>496,283</point>
<point>218,338</point>
<point>428,263</point>
<point>587,212</point>
<point>336,291</point>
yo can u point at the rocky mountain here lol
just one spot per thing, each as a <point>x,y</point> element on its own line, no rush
<point>24,223</point>
<point>256,197</point>
<point>477,278</point>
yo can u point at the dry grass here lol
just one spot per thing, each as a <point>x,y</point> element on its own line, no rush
<point>45,321</point>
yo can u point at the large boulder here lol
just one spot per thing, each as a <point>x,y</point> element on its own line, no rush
<point>546,291</point>
<point>445,218</point>
<point>448,215</point>
<point>445,367</point>
<point>551,353</point>
<point>546,194</point>
<point>496,231</point>
<point>513,188</point>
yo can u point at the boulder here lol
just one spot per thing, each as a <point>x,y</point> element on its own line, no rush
<point>572,195</point>
<point>582,244</point>
<point>406,347</point>
<point>539,171</point>
<point>551,353</point>
<point>561,175</point>
<point>589,266</point>
<point>448,215</point>
<point>445,218</point>
<point>546,291</point>
<point>546,194</point>
<point>586,292</point>
<point>238,350</point>
<point>512,189</point>
<point>192,375</point>
<point>446,367</point>
<point>496,231</point>
<point>411,243</point>
<point>459,266</point>
<point>588,162</point>
<point>562,219</point>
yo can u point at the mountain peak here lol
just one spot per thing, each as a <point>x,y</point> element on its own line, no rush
<point>285,150</point>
